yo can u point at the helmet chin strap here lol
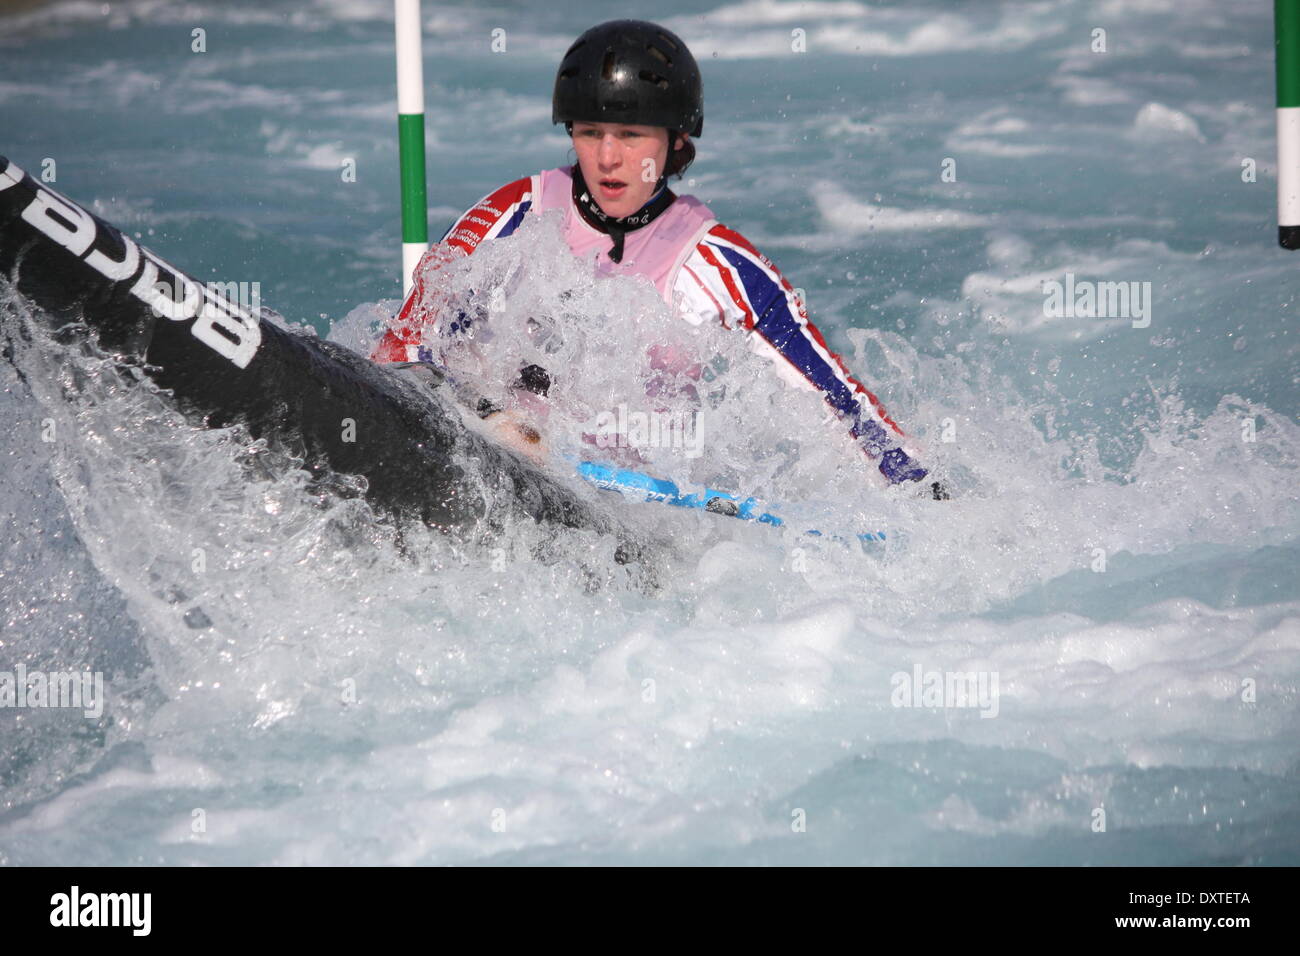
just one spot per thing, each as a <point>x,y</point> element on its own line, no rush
<point>613,226</point>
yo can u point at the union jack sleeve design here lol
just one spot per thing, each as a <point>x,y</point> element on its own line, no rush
<point>727,277</point>
<point>495,216</point>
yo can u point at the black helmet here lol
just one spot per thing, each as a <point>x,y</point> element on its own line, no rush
<point>630,71</point>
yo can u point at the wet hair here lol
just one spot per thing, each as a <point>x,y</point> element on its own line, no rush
<point>679,160</point>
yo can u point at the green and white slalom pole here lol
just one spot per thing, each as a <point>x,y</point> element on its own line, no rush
<point>410,136</point>
<point>1286,25</point>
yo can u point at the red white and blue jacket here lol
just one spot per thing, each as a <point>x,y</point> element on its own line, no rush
<point>704,270</point>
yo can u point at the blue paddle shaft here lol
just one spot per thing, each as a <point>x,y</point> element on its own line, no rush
<point>649,488</point>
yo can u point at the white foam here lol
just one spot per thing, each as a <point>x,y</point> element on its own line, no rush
<point>846,214</point>
<point>1090,90</point>
<point>1156,119</point>
<point>856,29</point>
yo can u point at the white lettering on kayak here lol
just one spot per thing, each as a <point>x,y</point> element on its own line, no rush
<point>223,326</point>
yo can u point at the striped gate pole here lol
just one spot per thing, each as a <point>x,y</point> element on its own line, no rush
<point>1286,20</point>
<point>410,137</point>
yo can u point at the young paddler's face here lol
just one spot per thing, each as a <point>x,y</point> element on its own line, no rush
<point>620,163</point>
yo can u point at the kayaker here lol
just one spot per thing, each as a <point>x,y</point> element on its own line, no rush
<point>629,94</point>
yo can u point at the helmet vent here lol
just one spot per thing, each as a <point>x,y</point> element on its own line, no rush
<point>607,68</point>
<point>654,78</point>
<point>672,45</point>
<point>659,54</point>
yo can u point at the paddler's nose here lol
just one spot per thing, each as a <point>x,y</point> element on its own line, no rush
<point>608,155</point>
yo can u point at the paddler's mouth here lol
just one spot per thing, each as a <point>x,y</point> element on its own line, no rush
<point>612,188</point>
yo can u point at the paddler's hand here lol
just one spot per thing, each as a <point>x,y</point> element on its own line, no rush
<point>516,427</point>
<point>535,379</point>
<point>513,430</point>
<point>927,489</point>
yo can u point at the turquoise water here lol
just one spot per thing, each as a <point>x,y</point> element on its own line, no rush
<point>1120,556</point>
